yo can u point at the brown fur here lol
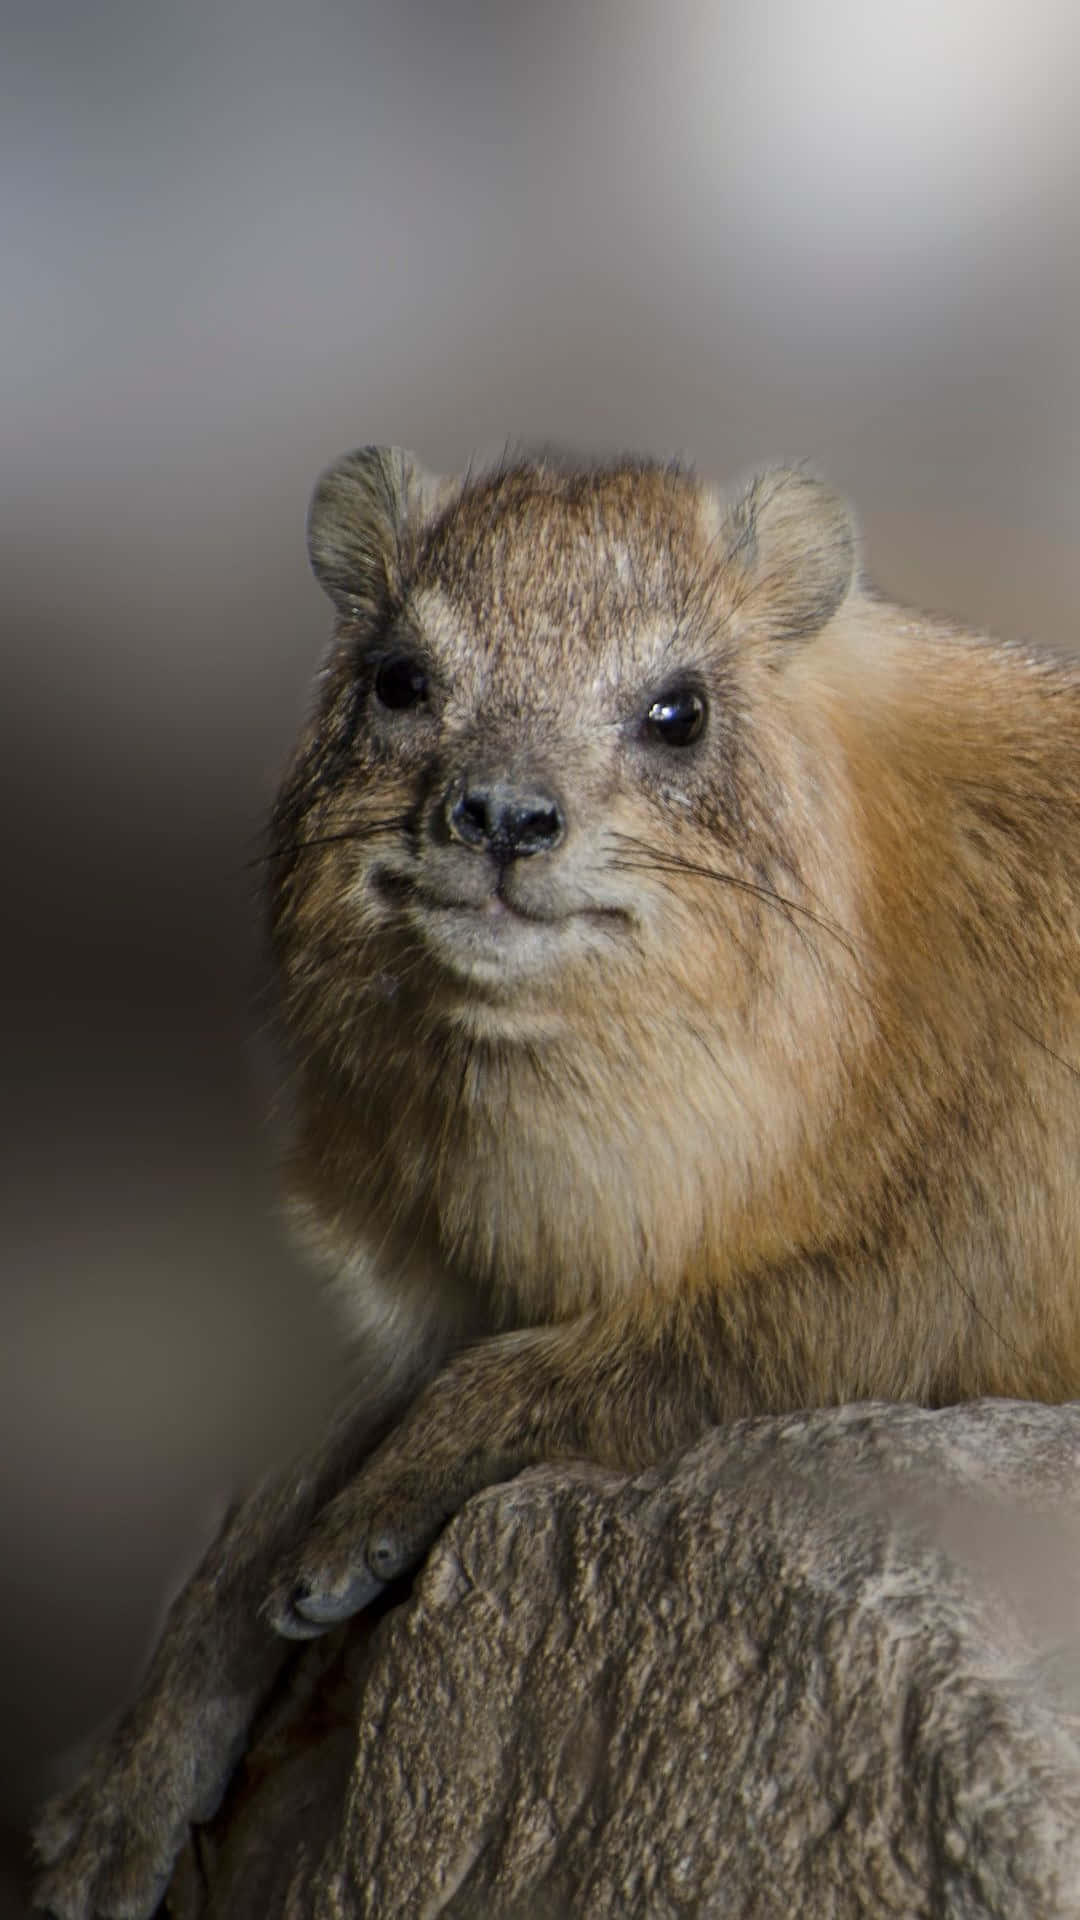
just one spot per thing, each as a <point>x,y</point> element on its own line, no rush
<point>753,1090</point>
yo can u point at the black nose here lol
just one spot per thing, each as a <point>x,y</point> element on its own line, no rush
<point>508,822</point>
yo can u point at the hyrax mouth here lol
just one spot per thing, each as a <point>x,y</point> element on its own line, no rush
<point>495,905</point>
<point>412,890</point>
<point>487,879</point>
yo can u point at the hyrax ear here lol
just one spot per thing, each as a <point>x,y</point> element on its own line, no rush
<point>362,508</point>
<point>793,542</point>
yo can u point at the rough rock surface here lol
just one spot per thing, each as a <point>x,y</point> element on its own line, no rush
<point>823,1665</point>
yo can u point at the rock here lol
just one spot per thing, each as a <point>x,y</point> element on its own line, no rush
<point>824,1665</point>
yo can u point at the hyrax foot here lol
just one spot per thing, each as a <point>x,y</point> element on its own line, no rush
<point>111,1857</point>
<point>109,1846</point>
<point>305,1606</point>
<point>362,1541</point>
<point>379,1528</point>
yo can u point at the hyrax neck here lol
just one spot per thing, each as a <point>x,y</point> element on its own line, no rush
<point>594,1157</point>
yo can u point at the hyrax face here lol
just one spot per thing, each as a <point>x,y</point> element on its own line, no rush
<point>531,767</point>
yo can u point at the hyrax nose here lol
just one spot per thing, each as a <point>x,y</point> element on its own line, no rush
<point>506,821</point>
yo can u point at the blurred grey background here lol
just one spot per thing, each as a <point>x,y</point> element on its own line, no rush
<point>237,239</point>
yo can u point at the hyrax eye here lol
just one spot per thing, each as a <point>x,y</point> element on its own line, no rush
<point>677,719</point>
<point>401,682</point>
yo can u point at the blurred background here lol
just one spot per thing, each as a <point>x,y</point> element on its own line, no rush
<point>237,239</point>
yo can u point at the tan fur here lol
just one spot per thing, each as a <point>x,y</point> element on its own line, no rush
<point>749,1081</point>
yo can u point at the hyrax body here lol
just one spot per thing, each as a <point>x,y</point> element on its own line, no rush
<point>678,957</point>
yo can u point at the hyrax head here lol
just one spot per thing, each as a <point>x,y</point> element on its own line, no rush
<point>535,751</point>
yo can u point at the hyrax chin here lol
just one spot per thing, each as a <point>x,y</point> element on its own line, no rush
<point>677,948</point>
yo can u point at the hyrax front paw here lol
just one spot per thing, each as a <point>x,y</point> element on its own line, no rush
<point>379,1528</point>
<point>364,1539</point>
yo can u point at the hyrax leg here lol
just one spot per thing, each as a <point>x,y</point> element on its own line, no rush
<point>111,1842</point>
<point>626,1389</point>
<point>617,1392</point>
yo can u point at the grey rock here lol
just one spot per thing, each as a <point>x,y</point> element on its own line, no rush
<point>824,1665</point>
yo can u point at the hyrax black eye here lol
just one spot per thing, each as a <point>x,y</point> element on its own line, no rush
<point>677,719</point>
<point>401,682</point>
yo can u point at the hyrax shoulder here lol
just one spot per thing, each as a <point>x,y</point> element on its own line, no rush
<point>657,909</point>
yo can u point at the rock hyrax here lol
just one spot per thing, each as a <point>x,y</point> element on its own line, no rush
<point>678,960</point>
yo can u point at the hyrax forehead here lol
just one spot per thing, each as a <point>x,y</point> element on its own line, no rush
<point>535,536</point>
<point>557,568</point>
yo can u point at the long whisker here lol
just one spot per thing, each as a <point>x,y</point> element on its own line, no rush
<point>1069,1065</point>
<point>749,956</point>
<point>369,831</point>
<point>646,856</point>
